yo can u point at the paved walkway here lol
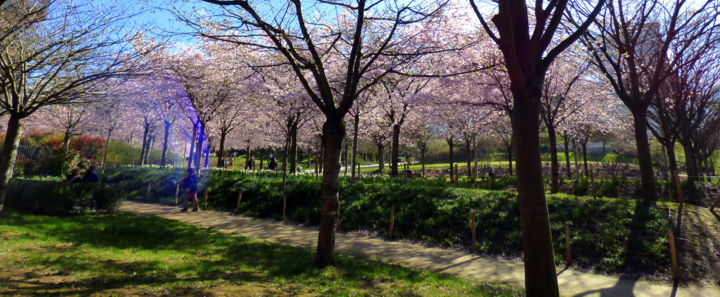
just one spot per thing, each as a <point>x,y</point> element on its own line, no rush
<point>572,282</point>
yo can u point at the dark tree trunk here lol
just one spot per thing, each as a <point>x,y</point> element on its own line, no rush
<point>395,150</point>
<point>468,149</point>
<point>143,148</point>
<point>566,145</point>
<point>690,160</point>
<point>510,156</point>
<point>191,154</point>
<point>672,166</point>
<point>647,178</point>
<point>346,162</point>
<point>585,160</point>
<point>451,145</point>
<point>107,148</point>
<point>422,160</point>
<point>332,137</point>
<point>9,154</point>
<point>538,253</point>
<point>199,147</point>
<point>381,156</point>
<point>554,164</point>
<point>166,136</point>
<point>293,147</point>
<point>221,149</point>
<point>66,141</point>
<point>356,126</point>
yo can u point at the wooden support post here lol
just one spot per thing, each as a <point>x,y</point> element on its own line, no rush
<point>177,193</point>
<point>148,190</point>
<point>392,221</point>
<point>239,199</point>
<point>673,256</point>
<point>568,253</point>
<point>473,231</point>
<point>205,199</point>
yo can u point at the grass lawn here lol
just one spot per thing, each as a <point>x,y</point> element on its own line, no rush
<point>119,255</point>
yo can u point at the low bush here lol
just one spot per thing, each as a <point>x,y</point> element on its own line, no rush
<point>60,198</point>
<point>608,235</point>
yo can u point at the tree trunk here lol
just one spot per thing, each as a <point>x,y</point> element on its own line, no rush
<point>9,154</point>
<point>199,146</point>
<point>395,150</point>
<point>345,156</point>
<point>107,148</point>
<point>191,153</point>
<point>469,157</point>
<point>451,145</point>
<point>422,161</point>
<point>538,256</point>
<point>332,137</point>
<point>66,141</point>
<point>672,166</point>
<point>381,157</point>
<point>151,142</point>
<point>221,149</point>
<point>585,161</point>
<point>510,156</point>
<point>566,145</point>
<point>293,147</point>
<point>166,136</point>
<point>690,160</point>
<point>647,178</point>
<point>356,127</point>
<point>143,148</point>
<point>554,164</point>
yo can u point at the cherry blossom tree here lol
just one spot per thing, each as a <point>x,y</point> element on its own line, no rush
<point>528,53</point>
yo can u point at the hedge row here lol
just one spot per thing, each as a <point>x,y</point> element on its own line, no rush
<point>608,235</point>
<point>52,197</point>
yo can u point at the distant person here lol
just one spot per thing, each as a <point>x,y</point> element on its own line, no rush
<point>91,176</point>
<point>74,176</point>
<point>272,164</point>
<point>249,164</point>
<point>190,185</point>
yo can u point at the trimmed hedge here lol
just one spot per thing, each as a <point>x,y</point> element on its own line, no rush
<point>607,235</point>
<point>60,198</point>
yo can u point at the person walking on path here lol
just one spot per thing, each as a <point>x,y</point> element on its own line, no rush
<point>190,185</point>
<point>91,176</point>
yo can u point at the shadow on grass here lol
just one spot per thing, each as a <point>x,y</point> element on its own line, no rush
<point>202,255</point>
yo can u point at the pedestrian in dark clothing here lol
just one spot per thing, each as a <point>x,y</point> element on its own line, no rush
<point>190,185</point>
<point>272,165</point>
<point>74,176</point>
<point>249,164</point>
<point>90,175</point>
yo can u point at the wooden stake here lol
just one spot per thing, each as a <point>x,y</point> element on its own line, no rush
<point>673,256</point>
<point>177,193</point>
<point>205,200</point>
<point>473,231</point>
<point>147,191</point>
<point>568,254</point>
<point>392,220</point>
<point>239,199</point>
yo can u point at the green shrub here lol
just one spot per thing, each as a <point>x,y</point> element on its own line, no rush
<point>61,198</point>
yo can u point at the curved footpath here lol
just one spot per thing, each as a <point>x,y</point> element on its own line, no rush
<point>572,282</point>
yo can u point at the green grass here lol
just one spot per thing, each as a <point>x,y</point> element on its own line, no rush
<point>116,255</point>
